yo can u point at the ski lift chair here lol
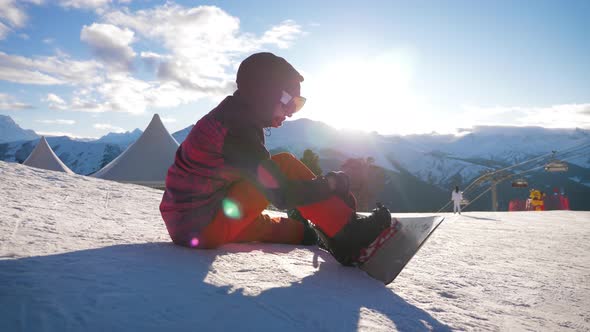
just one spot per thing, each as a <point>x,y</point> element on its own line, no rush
<point>520,183</point>
<point>556,166</point>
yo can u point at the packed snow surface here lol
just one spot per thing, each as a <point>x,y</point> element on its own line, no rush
<point>84,254</point>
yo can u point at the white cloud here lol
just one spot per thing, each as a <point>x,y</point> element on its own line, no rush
<point>55,102</point>
<point>109,127</point>
<point>13,14</point>
<point>110,44</point>
<point>282,35</point>
<point>9,103</point>
<point>168,120</point>
<point>48,70</point>
<point>87,103</point>
<point>58,121</point>
<point>554,116</point>
<point>48,41</point>
<point>25,76</point>
<point>152,60</point>
<point>99,6</point>
<point>52,98</point>
<point>201,47</point>
<point>153,56</point>
<point>123,93</point>
<point>85,4</point>
<point>4,30</point>
<point>204,43</point>
<point>84,100</point>
<point>197,56</point>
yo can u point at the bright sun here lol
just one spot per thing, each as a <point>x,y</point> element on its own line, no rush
<point>368,95</point>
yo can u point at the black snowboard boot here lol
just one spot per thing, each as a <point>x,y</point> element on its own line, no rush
<point>359,233</point>
<point>310,238</point>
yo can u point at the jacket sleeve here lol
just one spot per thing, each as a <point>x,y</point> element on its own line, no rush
<point>244,150</point>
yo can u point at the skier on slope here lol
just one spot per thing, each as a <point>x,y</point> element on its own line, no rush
<point>223,177</point>
<point>457,197</point>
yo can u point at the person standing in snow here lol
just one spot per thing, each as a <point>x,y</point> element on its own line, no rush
<point>223,177</point>
<point>457,197</point>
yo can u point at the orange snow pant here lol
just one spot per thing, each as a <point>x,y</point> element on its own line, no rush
<point>251,225</point>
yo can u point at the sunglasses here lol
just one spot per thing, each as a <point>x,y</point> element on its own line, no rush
<point>292,104</point>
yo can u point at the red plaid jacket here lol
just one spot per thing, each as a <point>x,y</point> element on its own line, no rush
<point>225,146</point>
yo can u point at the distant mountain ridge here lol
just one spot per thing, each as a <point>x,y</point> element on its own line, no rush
<point>122,139</point>
<point>440,162</point>
<point>81,157</point>
<point>181,135</point>
<point>431,162</point>
<point>444,161</point>
<point>11,132</point>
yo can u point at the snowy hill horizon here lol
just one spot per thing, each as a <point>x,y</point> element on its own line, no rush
<point>422,167</point>
<point>86,254</point>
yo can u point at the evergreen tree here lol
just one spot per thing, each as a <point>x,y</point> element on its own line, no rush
<point>312,161</point>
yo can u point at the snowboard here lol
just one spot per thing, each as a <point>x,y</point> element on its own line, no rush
<point>395,247</point>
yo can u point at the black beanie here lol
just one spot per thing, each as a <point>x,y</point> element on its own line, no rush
<point>262,76</point>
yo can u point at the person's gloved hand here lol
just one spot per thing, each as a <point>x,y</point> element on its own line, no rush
<point>339,183</point>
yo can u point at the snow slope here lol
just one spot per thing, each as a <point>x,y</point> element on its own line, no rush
<point>79,253</point>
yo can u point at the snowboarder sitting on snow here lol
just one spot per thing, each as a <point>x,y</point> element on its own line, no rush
<point>223,177</point>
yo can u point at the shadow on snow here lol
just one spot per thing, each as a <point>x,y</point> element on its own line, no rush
<point>159,286</point>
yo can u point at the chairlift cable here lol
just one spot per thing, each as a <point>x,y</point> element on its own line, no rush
<point>572,152</point>
<point>476,198</point>
<point>571,149</point>
<point>507,177</point>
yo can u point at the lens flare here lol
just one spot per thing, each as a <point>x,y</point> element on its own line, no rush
<point>231,209</point>
<point>194,242</point>
<point>266,178</point>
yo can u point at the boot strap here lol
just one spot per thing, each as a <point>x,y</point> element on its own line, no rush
<point>386,234</point>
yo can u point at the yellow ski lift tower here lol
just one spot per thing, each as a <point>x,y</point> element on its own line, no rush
<point>494,177</point>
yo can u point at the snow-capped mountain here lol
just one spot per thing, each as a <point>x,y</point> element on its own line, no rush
<point>444,161</point>
<point>81,157</point>
<point>11,132</point>
<point>496,147</point>
<point>181,135</point>
<point>122,139</point>
<point>431,162</point>
<point>438,159</point>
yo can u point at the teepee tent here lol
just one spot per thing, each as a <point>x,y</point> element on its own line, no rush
<point>146,161</point>
<point>43,157</point>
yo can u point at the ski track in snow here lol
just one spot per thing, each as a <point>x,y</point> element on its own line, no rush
<point>79,253</point>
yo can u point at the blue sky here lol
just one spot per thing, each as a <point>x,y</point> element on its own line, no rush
<point>89,67</point>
